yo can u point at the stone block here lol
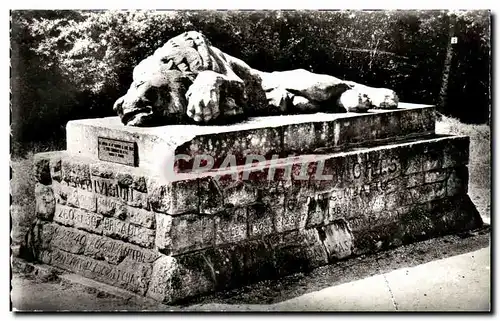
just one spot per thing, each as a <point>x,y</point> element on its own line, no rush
<point>98,247</point>
<point>60,192</point>
<point>210,196</point>
<point>457,182</point>
<point>238,192</point>
<point>69,239</point>
<point>434,176</point>
<point>55,166</point>
<point>157,146</point>
<point>87,200</point>
<point>231,226</point>
<point>414,180</point>
<point>71,195</point>
<point>456,154</point>
<point>75,172</point>
<point>42,169</point>
<point>112,207</point>
<point>138,199</point>
<point>317,209</point>
<point>78,218</point>
<point>337,239</point>
<point>425,193</point>
<point>130,276</point>
<point>128,232</point>
<point>315,251</point>
<point>260,220</point>
<point>177,197</point>
<point>184,233</point>
<point>172,281</point>
<point>45,202</point>
<point>116,252</point>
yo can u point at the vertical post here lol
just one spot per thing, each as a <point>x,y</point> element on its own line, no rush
<point>443,93</point>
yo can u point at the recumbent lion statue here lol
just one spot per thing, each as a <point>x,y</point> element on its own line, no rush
<point>187,80</point>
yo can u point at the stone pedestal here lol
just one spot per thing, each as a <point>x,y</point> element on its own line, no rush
<point>356,183</point>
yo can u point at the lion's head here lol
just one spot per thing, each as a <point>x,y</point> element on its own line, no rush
<point>157,94</point>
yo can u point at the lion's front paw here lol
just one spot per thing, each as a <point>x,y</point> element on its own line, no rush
<point>382,98</point>
<point>354,101</point>
<point>203,100</point>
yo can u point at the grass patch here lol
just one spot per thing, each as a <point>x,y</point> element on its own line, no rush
<point>479,151</point>
<point>22,184</point>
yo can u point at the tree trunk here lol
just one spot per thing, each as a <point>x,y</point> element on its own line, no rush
<point>443,93</point>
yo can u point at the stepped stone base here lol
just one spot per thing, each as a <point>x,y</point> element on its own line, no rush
<point>203,232</point>
<point>266,136</point>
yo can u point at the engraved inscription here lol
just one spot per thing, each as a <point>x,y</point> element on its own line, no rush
<point>128,232</point>
<point>116,151</point>
<point>107,273</point>
<point>78,218</point>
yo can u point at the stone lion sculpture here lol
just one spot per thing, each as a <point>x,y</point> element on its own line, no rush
<point>188,80</point>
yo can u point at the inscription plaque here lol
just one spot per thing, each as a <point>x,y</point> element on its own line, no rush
<point>117,151</point>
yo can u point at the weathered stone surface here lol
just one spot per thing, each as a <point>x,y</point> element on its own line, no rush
<point>337,239</point>
<point>108,206</point>
<point>211,197</point>
<point>261,141</point>
<point>228,191</point>
<point>414,180</point>
<point>115,252</point>
<point>45,202</point>
<point>103,170</point>
<point>111,188</point>
<point>112,207</point>
<point>71,195</point>
<point>59,192</point>
<point>234,265</point>
<point>97,247</point>
<point>42,169</point>
<point>75,172</point>
<point>425,193</point>
<point>69,239</point>
<point>131,276</point>
<point>138,199</point>
<point>456,154</point>
<point>171,281</point>
<point>416,223</point>
<point>434,176</point>
<point>361,129</point>
<point>78,218</point>
<point>173,198</point>
<point>317,209</point>
<point>139,184</point>
<point>55,166</point>
<point>231,226</point>
<point>260,220</point>
<point>87,200</point>
<point>129,232</point>
<point>457,182</point>
<point>184,233</point>
<point>262,135</point>
<point>314,250</point>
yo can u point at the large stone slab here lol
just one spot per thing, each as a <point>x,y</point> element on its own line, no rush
<point>176,278</point>
<point>265,136</point>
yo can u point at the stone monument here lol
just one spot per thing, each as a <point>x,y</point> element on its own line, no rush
<point>178,210</point>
